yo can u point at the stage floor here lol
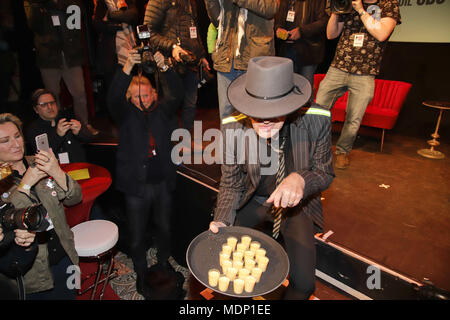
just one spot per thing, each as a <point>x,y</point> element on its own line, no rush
<point>391,207</point>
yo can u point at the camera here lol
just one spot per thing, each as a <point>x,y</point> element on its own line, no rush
<point>205,76</point>
<point>188,61</point>
<point>148,63</point>
<point>31,218</point>
<point>341,6</point>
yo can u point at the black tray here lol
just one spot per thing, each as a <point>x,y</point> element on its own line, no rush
<point>203,254</point>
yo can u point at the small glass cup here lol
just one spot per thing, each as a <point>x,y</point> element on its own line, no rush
<point>263,262</point>
<point>254,245</point>
<point>238,256</point>
<point>225,265</point>
<point>238,264</point>
<point>231,273</point>
<point>257,272</point>
<point>243,273</point>
<point>232,241</point>
<point>238,285</point>
<point>260,253</point>
<point>249,263</point>
<point>224,281</point>
<point>227,249</point>
<point>241,247</point>
<point>223,257</point>
<point>249,284</point>
<point>245,239</point>
<point>249,254</point>
<point>213,277</point>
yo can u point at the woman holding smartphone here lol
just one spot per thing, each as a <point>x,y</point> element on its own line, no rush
<point>46,183</point>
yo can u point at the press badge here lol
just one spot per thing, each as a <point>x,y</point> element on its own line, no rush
<point>55,20</point>
<point>193,32</point>
<point>290,16</point>
<point>63,158</point>
<point>358,40</point>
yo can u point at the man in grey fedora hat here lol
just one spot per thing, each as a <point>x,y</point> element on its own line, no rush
<point>273,102</point>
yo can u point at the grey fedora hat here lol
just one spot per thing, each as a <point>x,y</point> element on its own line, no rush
<point>269,88</point>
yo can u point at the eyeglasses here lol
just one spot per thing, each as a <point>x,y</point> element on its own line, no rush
<point>47,104</point>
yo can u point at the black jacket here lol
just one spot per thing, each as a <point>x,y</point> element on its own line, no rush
<point>70,143</point>
<point>171,19</point>
<point>52,42</point>
<point>14,262</point>
<point>134,132</point>
<point>312,24</point>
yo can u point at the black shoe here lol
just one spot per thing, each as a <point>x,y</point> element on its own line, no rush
<point>164,282</point>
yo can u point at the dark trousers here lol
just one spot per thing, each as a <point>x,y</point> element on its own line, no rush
<point>297,232</point>
<point>155,205</point>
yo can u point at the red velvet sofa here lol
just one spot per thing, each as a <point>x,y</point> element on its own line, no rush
<point>382,112</point>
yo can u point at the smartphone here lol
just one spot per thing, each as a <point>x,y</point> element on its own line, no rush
<point>42,142</point>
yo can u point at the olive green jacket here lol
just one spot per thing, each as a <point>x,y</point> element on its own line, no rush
<point>258,39</point>
<point>39,277</point>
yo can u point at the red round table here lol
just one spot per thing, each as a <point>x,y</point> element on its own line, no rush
<point>98,182</point>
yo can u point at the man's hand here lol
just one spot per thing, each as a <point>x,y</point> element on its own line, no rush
<point>134,57</point>
<point>24,238</point>
<point>358,6</point>
<point>176,53</point>
<point>294,34</point>
<point>205,64</point>
<point>289,192</point>
<point>215,225</point>
<point>62,127</point>
<point>75,126</point>
<point>1,234</point>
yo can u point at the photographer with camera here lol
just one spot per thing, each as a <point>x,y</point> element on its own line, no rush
<point>364,32</point>
<point>65,133</point>
<point>41,184</point>
<point>145,173</point>
<point>174,31</point>
<point>17,253</point>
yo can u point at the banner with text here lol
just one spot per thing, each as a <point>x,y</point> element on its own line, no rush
<point>423,21</point>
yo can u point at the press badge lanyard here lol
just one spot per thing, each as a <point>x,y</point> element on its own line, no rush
<point>291,12</point>
<point>358,38</point>
<point>192,28</point>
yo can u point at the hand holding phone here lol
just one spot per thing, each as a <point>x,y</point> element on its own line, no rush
<point>62,127</point>
<point>42,142</point>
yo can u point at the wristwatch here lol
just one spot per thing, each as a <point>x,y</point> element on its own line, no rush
<point>24,186</point>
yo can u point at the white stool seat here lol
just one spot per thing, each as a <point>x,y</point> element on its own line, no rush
<point>95,237</point>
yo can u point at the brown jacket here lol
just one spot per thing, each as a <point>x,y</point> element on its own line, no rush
<point>258,37</point>
<point>39,277</point>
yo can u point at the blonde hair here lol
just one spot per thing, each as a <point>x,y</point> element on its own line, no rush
<point>136,81</point>
<point>8,117</point>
